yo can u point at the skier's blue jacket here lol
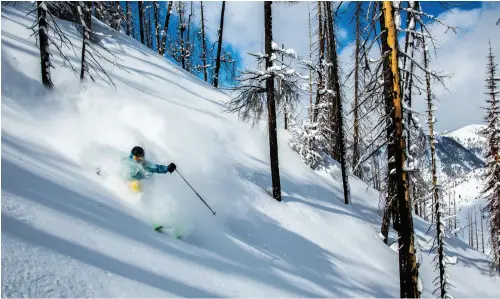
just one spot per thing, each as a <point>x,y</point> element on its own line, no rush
<point>134,170</point>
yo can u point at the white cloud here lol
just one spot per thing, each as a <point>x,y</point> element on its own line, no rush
<point>462,54</point>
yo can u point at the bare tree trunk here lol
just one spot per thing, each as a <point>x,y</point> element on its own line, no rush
<point>355,147</point>
<point>271,108</point>
<point>321,40</point>
<point>157,23</point>
<point>44,44</point>
<point>161,49</point>
<point>415,203</point>
<point>407,259</point>
<point>435,191</point>
<point>455,209</point>
<point>204,46</point>
<point>335,83</point>
<point>310,71</point>
<point>141,22</point>
<point>188,49</point>
<point>219,46</point>
<point>181,32</point>
<point>482,230</point>
<point>85,14</point>
<point>128,16</point>
<point>477,234</point>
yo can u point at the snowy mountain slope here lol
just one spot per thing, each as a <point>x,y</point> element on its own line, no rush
<point>456,159</point>
<point>471,138</point>
<point>68,232</point>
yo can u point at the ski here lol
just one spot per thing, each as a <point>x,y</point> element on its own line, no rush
<point>175,231</point>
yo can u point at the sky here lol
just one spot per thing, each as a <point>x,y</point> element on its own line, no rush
<point>462,55</point>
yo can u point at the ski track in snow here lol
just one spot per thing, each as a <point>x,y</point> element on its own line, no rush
<point>69,233</point>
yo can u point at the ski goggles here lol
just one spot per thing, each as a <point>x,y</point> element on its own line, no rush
<point>138,158</point>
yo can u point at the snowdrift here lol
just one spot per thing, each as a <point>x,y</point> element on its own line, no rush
<point>67,232</point>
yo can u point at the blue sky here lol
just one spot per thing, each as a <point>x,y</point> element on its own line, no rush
<point>463,55</point>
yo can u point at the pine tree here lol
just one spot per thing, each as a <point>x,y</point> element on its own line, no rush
<point>491,189</point>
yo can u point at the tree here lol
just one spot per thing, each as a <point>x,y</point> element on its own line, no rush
<point>215,79</point>
<point>355,147</point>
<point>271,108</point>
<point>129,23</point>
<point>141,21</point>
<point>156,8</point>
<point>203,44</point>
<point>407,258</point>
<point>84,11</point>
<point>42,34</point>
<point>161,48</point>
<point>273,84</point>
<point>439,241</point>
<point>491,189</point>
<point>337,122</point>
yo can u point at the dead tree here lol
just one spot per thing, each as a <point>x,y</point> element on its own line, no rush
<point>215,79</point>
<point>203,44</point>
<point>161,48</point>
<point>407,258</point>
<point>141,21</point>
<point>156,8</point>
<point>42,34</point>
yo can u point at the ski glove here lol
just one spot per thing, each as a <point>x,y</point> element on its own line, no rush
<point>171,167</point>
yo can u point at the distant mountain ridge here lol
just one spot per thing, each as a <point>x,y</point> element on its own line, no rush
<point>461,151</point>
<point>472,138</point>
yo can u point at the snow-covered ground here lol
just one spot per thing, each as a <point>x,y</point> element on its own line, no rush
<point>471,137</point>
<point>67,232</point>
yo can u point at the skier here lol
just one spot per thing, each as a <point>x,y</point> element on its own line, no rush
<point>136,168</point>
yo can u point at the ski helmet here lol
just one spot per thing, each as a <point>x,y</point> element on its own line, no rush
<point>137,151</point>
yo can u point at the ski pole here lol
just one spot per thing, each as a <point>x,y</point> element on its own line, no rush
<point>195,192</point>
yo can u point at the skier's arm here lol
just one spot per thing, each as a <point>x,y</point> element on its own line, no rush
<point>158,168</point>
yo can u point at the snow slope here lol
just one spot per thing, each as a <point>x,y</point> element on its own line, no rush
<point>471,137</point>
<point>68,232</point>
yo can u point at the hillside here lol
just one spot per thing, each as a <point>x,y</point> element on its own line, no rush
<point>471,138</point>
<point>67,232</point>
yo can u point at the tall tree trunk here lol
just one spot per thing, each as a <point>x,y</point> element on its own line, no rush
<point>271,107</point>
<point>482,230</point>
<point>157,23</point>
<point>321,40</point>
<point>355,146</point>
<point>407,259</point>
<point>477,233</point>
<point>161,49</point>
<point>310,71</point>
<point>219,46</point>
<point>204,46</point>
<point>181,33</point>
<point>43,30</point>
<point>415,203</point>
<point>455,209</point>
<point>128,17</point>
<point>188,43</point>
<point>141,22</point>
<point>85,14</point>
<point>335,80</point>
<point>435,191</point>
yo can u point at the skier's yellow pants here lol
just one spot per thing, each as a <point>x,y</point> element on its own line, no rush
<point>135,186</point>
